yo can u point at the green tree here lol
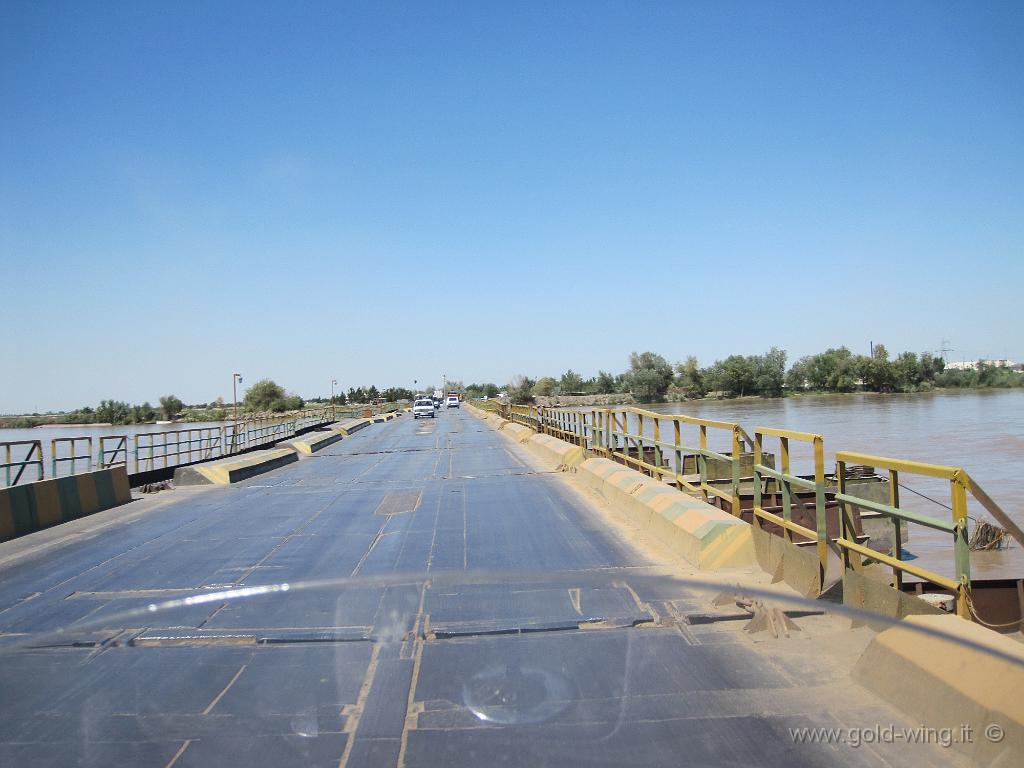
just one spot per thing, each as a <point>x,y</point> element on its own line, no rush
<point>170,406</point>
<point>604,384</point>
<point>733,376</point>
<point>113,412</point>
<point>476,391</point>
<point>797,376</point>
<point>689,378</point>
<point>140,414</point>
<point>649,376</point>
<point>262,395</point>
<point>520,390</point>
<point>648,385</point>
<point>769,372</point>
<point>931,366</point>
<point>907,372</point>
<point>545,387</point>
<point>876,372</point>
<point>570,382</point>
<point>830,371</point>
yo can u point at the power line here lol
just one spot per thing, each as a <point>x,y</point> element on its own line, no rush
<point>944,349</point>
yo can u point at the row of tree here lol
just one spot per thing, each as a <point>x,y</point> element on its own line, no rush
<point>650,377</point>
<point>371,394</point>
<point>265,396</point>
<point>118,412</point>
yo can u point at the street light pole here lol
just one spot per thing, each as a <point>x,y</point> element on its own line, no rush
<point>236,379</point>
<point>334,408</point>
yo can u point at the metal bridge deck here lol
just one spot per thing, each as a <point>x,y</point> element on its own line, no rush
<point>484,615</point>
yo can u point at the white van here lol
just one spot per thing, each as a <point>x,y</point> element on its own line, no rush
<point>453,401</point>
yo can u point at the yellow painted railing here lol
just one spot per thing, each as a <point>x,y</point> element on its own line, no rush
<point>15,465</point>
<point>622,434</point>
<point>655,443</point>
<point>786,481</point>
<point>854,553</point>
<point>69,451</point>
<point>662,453</point>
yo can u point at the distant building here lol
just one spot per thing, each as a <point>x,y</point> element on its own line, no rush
<point>973,365</point>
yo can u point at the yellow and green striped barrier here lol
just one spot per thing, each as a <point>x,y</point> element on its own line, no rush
<point>34,506</point>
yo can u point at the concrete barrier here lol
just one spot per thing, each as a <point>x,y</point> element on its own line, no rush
<point>311,442</point>
<point>45,503</point>
<point>944,683</point>
<point>346,427</point>
<point>381,418</point>
<point>517,432</point>
<point>704,535</point>
<point>558,452</point>
<point>700,533</point>
<point>234,468</point>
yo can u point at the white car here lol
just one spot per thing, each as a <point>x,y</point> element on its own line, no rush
<point>423,407</point>
<point>453,401</point>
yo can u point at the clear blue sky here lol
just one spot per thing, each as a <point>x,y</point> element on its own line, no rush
<point>384,192</point>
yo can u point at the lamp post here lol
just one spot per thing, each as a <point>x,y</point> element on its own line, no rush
<point>236,379</point>
<point>334,408</point>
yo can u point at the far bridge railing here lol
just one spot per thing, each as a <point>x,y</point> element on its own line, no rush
<point>149,451</point>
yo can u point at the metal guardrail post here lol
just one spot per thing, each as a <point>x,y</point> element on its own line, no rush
<point>851,560</point>
<point>702,462</point>
<point>897,526</point>
<point>657,440</point>
<point>758,480</point>
<point>737,451</point>
<point>638,440</point>
<point>677,438</point>
<point>820,513</point>
<point>785,480</point>
<point>962,553</point>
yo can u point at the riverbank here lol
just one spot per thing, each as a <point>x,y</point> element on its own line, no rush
<point>576,401</point>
